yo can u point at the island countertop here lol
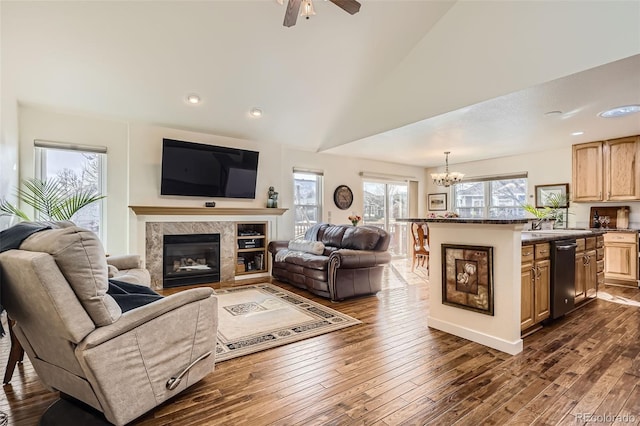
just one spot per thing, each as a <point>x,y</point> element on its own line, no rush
<point>464,220</point>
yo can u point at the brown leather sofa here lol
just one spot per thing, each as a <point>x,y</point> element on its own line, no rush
<point>351,262</point>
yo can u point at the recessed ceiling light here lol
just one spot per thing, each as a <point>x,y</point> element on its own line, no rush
<point>577,133</point>
<point>551,113</point>
<point>193,99</point>
<point>620,111</point>
<point>256,112</point>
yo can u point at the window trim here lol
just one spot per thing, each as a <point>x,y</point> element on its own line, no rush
<point>40,150</point>
<point>319,193</point>
<point>486,181</point>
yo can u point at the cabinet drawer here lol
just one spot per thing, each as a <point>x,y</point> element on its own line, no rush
<point>590,243</point>
<point>600,253</point>
<point>599,241</point>
<point>600,266</point>
<point>621,237</point>
<point>580,244</point>
<point>527,253</point>
<point>542,251</point>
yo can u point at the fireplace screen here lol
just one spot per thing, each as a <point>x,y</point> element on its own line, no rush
<point>191,259</point>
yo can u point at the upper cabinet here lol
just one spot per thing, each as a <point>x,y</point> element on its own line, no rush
<point>587,172</point>
<point>607,171</point>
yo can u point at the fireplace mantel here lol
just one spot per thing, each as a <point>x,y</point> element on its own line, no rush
<point>216,211</point>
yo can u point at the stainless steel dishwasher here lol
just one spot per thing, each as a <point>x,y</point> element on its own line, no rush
<point>563,276</point>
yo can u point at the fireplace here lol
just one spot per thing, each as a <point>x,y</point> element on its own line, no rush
<point>190,259</point>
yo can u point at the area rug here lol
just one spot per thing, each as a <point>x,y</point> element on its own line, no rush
<point>257,317</point>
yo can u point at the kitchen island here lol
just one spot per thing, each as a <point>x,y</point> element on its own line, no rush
<point>500,326</point>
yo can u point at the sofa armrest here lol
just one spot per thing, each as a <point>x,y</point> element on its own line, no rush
<point>349,259</point>
<point>136,317</point>
<point>275,246</point>
<point>125,261</point>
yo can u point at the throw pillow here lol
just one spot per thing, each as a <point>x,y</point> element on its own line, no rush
<point>314,247</point>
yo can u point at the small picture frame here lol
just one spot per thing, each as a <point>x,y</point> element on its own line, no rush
<point>467,277</point>
<point>546,193</point>
<point>437,202</point>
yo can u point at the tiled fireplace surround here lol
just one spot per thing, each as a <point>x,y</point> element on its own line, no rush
<point>154,232</point>
<point>150,223</point>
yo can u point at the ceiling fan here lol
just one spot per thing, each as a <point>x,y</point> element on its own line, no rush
<point>293,8</point>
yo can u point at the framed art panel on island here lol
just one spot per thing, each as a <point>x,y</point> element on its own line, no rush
<point>467,277</point>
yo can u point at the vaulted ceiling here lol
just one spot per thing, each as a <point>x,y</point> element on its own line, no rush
<point>400,81</point>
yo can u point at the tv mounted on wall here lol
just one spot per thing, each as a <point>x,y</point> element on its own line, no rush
<point>196,169</point>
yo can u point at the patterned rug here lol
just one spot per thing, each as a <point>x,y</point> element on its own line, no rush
<point>257,317</point>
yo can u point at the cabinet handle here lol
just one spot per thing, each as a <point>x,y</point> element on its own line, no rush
<point>544,251</point>
<point>528,254</point>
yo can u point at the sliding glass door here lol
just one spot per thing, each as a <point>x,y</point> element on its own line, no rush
<point>384,202</point>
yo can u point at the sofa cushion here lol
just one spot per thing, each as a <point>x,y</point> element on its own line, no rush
<point>360,238</point>
<point>81,259</point>
<point>333,236</point>
<point>306,260</point>
<point>314,247</point>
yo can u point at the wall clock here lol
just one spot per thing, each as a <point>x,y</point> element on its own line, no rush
<point>343,197</point>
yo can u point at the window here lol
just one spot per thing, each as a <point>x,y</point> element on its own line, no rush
<point>383,203</point>
<point>495,198</point>
<point>77,167</point>
<point>307,200</point>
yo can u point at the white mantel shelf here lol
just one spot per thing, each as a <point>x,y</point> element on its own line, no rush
<point>214,211</point>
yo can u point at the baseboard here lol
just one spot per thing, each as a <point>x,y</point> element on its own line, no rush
<point>511,348</point>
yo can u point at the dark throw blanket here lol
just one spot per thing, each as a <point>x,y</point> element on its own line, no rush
<point>128,296</point>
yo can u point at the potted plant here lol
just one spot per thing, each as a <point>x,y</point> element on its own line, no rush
<point>50,198</point>
<point>551,212</point>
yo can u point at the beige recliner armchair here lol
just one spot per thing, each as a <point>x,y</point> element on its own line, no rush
<point>79,341</point>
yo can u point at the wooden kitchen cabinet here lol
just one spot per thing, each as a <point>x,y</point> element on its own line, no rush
<point>527,296</point>
<point>587,172</point>
<point>586,269</point>
<point>621,171</point>
<point>542,290</point>
<point>621,258</point>
<point>607,170</point>
<point>535,285</point>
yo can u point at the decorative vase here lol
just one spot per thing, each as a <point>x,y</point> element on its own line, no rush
<point>354,222</point>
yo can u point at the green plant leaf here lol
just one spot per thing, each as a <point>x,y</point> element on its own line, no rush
<point>51,199</point>
<point>9,209</point>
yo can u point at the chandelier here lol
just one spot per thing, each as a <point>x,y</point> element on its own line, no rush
<point>446,178</point>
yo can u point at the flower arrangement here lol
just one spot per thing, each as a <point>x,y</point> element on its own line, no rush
<point>446,215</point>
<point>354,218</point>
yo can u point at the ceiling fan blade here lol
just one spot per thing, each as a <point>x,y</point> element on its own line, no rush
<point>349,6</point>
<point>291,15</point>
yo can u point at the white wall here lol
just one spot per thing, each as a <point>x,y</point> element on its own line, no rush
<point>9,148</point>
<point>338,170</point>
<point>44,124</point>
<point>133,169</point>
<point>276,163</point>
<point>146,156</point>
<point>544,168</point>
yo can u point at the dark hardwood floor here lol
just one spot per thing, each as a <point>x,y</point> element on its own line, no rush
<point>392,369</point>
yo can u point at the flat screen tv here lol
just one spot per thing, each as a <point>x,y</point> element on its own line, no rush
<point>206,170</point>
